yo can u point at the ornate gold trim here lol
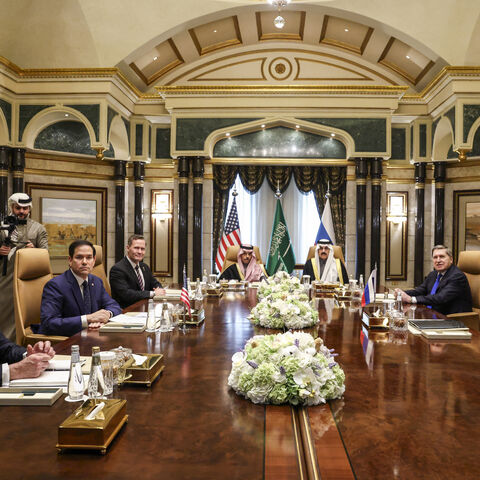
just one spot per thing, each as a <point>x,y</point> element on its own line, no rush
<point>289,50</point>
<point>297,77</point>
<point>438,185</point>
<point>183,180</point>
<point>361,181</point>
<point>400,181</point>
<point>3,173</point>
<point>280,35</point>
<point>419,186</point>
<point>281,89</point>
<point>469,179</point>
<point>60,158</point>
<point>376,181</point>
<point>280,76</point>
<point>119,183</point>
<point>199,78</point>
<point>139,183</point>
<point>18,174</point>
<point>338,162</point>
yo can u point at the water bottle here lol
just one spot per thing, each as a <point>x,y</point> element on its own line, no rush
<point>205,277</point>
<point>361,283</point>
<point>76,385</point>
<point>96,384</point>
<point>399,303</point>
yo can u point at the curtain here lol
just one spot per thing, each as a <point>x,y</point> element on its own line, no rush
<point>307,179</point>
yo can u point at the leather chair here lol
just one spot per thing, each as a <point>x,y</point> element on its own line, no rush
<point>99,269</point>
<point>469,263</point>
<point>31,272</point>
<point>232,253</point>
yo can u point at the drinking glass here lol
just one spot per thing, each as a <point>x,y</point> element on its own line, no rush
<point>212,280</point>
<point>106,360</point>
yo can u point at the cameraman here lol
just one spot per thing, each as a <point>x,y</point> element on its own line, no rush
<point>26,234</point>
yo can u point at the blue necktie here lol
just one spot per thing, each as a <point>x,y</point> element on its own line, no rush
<point>86,298</point>
<point>435,286</point>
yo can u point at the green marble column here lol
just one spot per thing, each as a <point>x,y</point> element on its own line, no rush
<point>4,164</point>
<point>439,175</point>
<point>420,173</point>
<point>183,173</point>
<point>18,167</point>
<point>376,176</point>
<point>120,175</point>
<point>139,175</point>
<point>197,170</point>
<point>361,179</point>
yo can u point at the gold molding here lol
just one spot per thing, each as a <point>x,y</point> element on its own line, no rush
<point>298,59</point>
<point>198,180</point>
<point>361,181</point>
<point>420,186</point>
<point>262,59</point>
<point>3,173</point>
<point>183,180</point>
<point>119,183</point>
<point>61,158</point>
<point>289,50</point>
<point>337,162</point>
<point>280,36</point>
<point>469,179</point>
<point>280,76</point>
<point>18,174</point>
<point>400,181</point>
<point>281,89</point>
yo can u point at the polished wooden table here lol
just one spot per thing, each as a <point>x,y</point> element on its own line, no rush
<point>409,410</point>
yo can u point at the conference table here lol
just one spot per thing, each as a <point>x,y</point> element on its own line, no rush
<point>409,411</point>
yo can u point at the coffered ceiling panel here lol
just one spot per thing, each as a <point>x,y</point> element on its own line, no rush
<point>216,35</point>
<point>291,30</point>
<point>405,60</point>
<point>346,34</point>
<point>157,62</point>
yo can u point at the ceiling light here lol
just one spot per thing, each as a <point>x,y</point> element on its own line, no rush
<point>332,134</point>
<point>297,126</point>
<point>227,134</point>
<point>279,3</point>
<point>279,22</point>
<point>408,56</point>
<point>66,114</point>
<point>214,31</point>
<point>155,58</point>
<point>346,29</point>
<point>263,126</point>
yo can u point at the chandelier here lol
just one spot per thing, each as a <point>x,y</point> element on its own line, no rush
<point>279,21</point>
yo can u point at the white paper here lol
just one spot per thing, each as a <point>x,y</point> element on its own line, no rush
<point>57,378</point>
<point>139,359</point>
<point>123,319</point>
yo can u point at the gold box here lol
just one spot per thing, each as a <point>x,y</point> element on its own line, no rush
<point>148,371</point>
<point>77,433</point>
<point>215,292</point>
<point>195,319</point>
<point>370,321</point>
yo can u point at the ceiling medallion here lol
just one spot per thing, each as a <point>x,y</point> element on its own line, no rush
<point>279,21</point>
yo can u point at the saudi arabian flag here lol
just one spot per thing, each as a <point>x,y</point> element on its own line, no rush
<point>280,255</point>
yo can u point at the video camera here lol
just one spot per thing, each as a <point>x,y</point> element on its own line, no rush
<point>9,225</point>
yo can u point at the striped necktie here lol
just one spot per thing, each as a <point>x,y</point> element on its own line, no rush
<point>140,279</point>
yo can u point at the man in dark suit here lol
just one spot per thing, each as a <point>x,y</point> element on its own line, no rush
<point>76,299</point>
<point>445,289</point>
<point>131,280</point>
<point>18,362</point>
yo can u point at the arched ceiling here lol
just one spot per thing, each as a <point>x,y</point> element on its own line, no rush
<point>313,47</point>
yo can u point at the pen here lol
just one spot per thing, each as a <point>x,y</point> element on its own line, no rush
<point>95,411</point>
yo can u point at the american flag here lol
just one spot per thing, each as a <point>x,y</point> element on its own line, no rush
<point>185,296</point>
<point>231,235</point>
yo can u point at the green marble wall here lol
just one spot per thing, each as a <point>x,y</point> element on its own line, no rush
<point>411,141</point>
<point>369,134</point>
<point>138,139</point>
<point>423,140</point>
<point>451,116</point>
<point>434,128</point>
<point>162,142</point>
<point>399,144</point>
<point>192,132</point>
<point>470,114</point>
<point>26,113</point>
<point>7,112</point>
<point>280,142</point>
<point>92,113</point>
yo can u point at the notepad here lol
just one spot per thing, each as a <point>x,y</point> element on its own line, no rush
<point>123,319</point>
<point>169,294</point>
<point>438,324</point>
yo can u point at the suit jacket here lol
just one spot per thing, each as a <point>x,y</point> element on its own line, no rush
<point>233,273</point>
<point>124,282</point>
<point>9,353</point>
<point>453,294</point>
<point>62,304</point>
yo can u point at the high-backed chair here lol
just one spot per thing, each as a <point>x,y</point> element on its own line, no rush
<point>469,264</point>
<point>31,272</point>
<point>99,269</point>
<point>337,253</point>
<point>232,253</point>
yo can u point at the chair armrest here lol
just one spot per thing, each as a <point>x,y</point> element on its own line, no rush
<point>33,338</point>
<point>470,319</point>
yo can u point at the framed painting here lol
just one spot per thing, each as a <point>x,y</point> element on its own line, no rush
<point>69,213</point>
<point>466,218</point>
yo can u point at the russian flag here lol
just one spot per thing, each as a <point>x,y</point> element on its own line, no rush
<point>370,288</point>
<point>325,230</point>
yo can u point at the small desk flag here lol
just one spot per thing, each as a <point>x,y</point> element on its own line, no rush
<point>370,288</point>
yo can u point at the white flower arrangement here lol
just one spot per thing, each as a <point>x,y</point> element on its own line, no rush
<point>288,367</point>
<point>281,282</point>
<point>283,310</point>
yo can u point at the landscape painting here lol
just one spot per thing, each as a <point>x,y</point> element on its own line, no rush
<point>66,220</point>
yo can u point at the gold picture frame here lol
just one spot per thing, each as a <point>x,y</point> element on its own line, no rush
<point>466,221</point>
<point>69,212</point>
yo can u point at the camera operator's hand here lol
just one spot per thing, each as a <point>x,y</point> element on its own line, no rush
<point>4,250</point>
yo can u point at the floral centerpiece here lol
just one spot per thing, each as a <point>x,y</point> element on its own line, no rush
<point>281,282</point>
<point>288,367</point>
<point>283,310</point>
